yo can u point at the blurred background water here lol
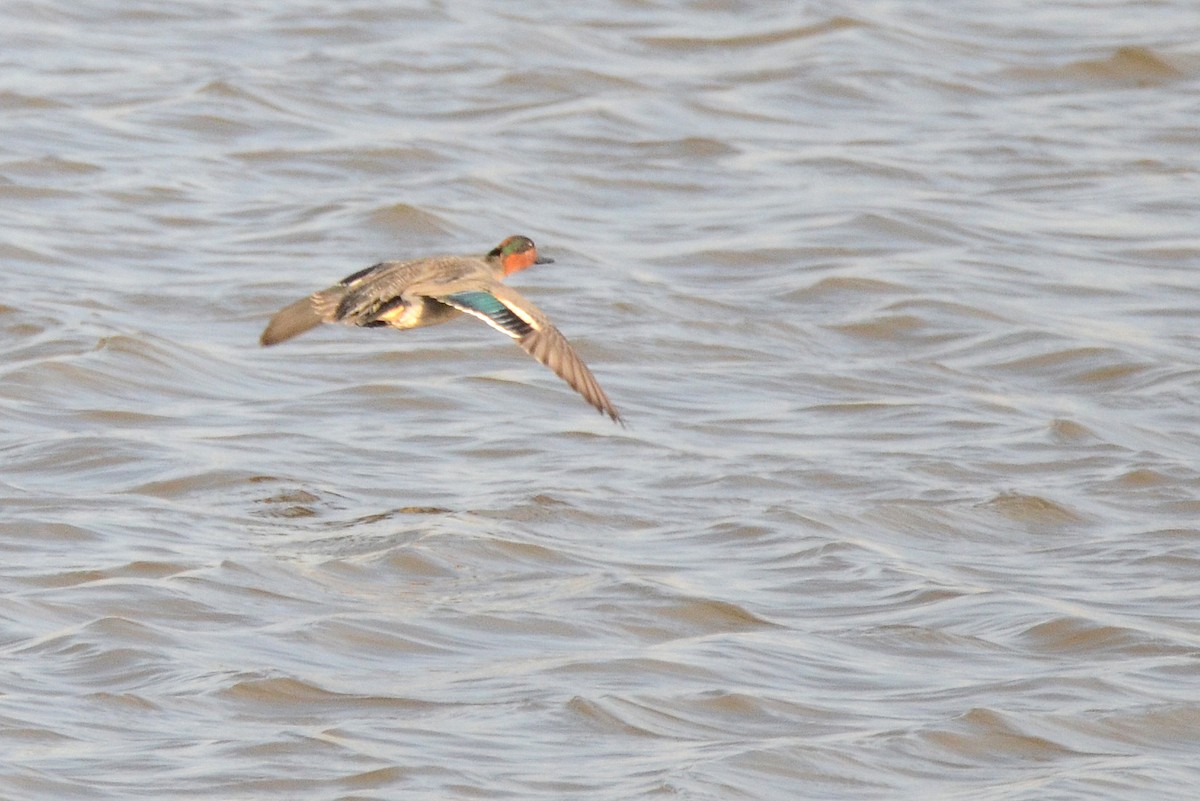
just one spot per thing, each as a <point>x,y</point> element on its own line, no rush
<point>899,300</point>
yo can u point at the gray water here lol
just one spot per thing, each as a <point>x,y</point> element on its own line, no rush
<point>899,301</point>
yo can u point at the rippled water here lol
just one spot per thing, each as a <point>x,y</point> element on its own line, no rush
<point>899,300</point>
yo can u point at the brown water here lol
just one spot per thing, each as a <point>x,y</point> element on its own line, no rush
<point>900,301</point>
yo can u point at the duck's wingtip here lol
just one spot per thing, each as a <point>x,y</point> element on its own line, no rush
<point>291,321</point>
<point>274,333</point>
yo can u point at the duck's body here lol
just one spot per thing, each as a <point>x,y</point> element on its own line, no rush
<point>413,294</point>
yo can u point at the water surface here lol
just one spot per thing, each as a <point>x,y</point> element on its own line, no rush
<point>899,301</point>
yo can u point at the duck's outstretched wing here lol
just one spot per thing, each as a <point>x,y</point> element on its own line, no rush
<point>509,312</point>
<point>327,306</point>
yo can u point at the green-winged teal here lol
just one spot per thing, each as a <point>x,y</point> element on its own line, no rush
<point>411,294</point>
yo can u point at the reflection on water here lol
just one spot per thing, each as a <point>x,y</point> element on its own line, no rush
<point>898,306</point>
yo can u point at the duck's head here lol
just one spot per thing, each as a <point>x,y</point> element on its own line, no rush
<point>517,253</point>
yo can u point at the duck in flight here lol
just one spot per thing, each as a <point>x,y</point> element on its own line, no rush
<point>421,292</point>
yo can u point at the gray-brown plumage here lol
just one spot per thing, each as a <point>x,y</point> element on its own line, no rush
<point>429,291</point>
